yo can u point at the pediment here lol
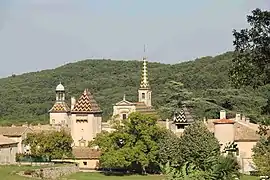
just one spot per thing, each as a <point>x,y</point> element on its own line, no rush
<point>124,103</point>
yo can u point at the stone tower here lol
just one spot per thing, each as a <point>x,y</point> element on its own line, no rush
<point>85,120</point>
<point>59,113</point>
<point>144,92</point>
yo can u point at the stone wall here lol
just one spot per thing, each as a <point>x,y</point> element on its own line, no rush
<point>51,172</point>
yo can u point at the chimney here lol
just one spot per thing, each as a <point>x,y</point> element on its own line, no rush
<point>13,125</point>
<point>222,114</point>
<point>204,120</point>
<point>247,120</point>
<point>167,124</point>
<point>73,102</point>
<point>238,117</point>
<point>243,118</point>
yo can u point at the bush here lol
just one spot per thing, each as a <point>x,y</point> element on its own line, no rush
<point>29,172</point>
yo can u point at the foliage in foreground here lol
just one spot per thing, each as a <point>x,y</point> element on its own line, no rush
<point>133,146</point>
<point>54,144</point>
<point>198,144</point>
<point>252,52</point>
<point>261,152</point>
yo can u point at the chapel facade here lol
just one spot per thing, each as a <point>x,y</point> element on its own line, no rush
<point>122,109</point>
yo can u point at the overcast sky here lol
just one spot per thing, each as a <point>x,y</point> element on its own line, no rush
<point>41,34</point>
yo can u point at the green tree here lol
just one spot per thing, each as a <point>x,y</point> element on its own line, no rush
<point>198,144</point>
<point>251,62</point>
<point>173,97</point>
<point>261,155</point>
<point>133,146</point>
<point>169,146</point>
<point>56,144</point>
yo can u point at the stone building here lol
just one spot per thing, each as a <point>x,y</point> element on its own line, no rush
<point>86,118</point>
<point>122,109</point>
<point>240,131</point>
<point>8,150</point>
<point>17,134</point>
<point>83,118</point>
<point>60,112</point>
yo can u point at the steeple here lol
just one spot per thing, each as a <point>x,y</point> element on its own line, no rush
<point>144,92</point>
<point>144,78</point>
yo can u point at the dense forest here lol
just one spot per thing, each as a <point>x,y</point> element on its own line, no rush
<point>28,97</point>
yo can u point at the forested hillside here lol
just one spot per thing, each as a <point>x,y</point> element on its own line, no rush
<point>28,97</point>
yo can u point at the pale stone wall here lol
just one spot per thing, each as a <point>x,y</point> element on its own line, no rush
<point>59,119</point>
<point>20,144</point>
<point>147,99</point>
<point>85,130</point>
<point>224,133</point>
<point>8,153</point>
<point>245,155</point>
<point>87,163</point>
<point>120,110</point>
<point>53,172</point>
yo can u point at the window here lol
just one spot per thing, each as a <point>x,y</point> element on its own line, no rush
<point>85,163</point>
<point>143,95</point>
<point>124,116</point>
<point>180,126</point>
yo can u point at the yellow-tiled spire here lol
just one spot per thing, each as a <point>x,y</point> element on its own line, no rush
<point>144,79</point>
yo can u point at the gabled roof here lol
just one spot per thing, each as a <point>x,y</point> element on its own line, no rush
<point>14,131</point>
<point>86,104</point>
<point>59,107</point>
<point>124,103</point>
<point>5,140</point>
<point>86,153</point>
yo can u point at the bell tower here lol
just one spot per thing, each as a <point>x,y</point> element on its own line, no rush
<point>60,93</point>
<point>145,92</point>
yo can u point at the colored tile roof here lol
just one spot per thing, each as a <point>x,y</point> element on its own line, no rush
<point>60,107</point>
<point>224,121</point>
<point>5,140</point>
<point>86,153</point>
<point>14,131</point>
<point>86,103</point>
<point>183,116</point>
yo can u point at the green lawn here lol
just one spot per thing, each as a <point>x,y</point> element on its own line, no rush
<point>9,173</point>
<point>249,178</point>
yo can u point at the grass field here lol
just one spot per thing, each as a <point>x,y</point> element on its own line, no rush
<point>9,173</point>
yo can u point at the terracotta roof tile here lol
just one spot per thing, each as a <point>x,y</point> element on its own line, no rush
<point>60,107</point>
<point>86,153</point>
<point>224,121</point>
<point>13,131</point>
<point>86,103</point>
